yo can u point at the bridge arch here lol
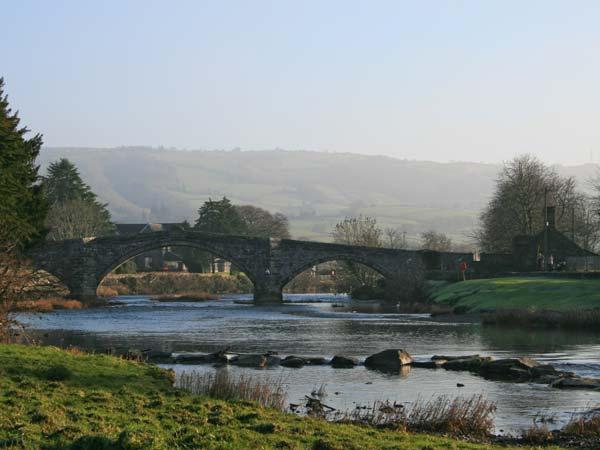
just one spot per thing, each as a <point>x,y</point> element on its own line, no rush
<point>306,265</point>
<point>108,266</point>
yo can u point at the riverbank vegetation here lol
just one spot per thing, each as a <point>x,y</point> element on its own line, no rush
<point>168,283</point>
<point>71,400</point>
<point>46,305</point>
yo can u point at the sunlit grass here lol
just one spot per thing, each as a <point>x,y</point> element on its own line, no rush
<point>50,398</point>
<point>547,293</point>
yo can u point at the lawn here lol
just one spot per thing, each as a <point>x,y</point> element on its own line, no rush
<point>560,294</point>
<point>54,399</point>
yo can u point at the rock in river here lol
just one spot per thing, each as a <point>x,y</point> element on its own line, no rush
<point>293,361</point>
<point>193,358</point>
<point>436,364</point>
<point>509,369</point>
<point>577,383</point>
<point>258,361</point>
<point>469,363</point>
<point>343,362</point>
<point>391,359</point>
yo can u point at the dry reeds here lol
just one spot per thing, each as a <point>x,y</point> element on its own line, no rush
<point>46,305</point>
<point>587,425</point>
<point>222,385</point>
<point>473,416</point>
<point>106,291</point>
<point>580,427</point>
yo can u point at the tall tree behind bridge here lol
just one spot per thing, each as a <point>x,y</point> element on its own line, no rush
<point>362,231</point>
<point>517,206</point>
<point>261,223</point>
<point>219,216</point>
<point>22,210</point>
<point>75,211</point>
<point>439,242</point>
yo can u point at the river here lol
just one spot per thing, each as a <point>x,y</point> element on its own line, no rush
<point>316,325</point>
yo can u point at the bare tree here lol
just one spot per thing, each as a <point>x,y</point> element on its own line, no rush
<point>394,238</point>
<point>76,219</point>
<point>439,242</point>
<point>363,231</point>
<point>523,187</point>
<point>260,222</point>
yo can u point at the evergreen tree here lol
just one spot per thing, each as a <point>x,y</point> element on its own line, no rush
<point>75,211</point>
<point>63,183</point>
<point>219,216</point>
<point>22,204</point>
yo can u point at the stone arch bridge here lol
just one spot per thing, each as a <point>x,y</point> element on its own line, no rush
<point>269,263</point>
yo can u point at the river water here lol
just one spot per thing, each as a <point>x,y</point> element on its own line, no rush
<point>316,325</point>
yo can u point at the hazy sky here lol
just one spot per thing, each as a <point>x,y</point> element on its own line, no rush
<point>438,80</point>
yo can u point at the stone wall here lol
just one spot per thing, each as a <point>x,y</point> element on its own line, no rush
<point>269,263</point>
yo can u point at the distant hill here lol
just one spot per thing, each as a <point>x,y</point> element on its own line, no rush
<point>313,189</point>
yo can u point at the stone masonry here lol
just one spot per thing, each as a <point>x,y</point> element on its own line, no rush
<point>269,263</point>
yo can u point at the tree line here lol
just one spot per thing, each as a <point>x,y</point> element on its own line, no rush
<point>523,188</point>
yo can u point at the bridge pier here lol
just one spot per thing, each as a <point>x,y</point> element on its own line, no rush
<point>267,294</point>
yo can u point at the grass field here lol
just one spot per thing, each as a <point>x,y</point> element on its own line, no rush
<point>540,293</point>
<point>53,399</point>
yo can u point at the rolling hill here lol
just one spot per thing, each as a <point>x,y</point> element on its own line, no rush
<point>314,189</point>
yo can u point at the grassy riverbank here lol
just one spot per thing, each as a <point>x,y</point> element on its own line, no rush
<point>534,293</point>
<point>56,399</point>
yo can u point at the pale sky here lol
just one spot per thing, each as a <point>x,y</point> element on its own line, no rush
<point>436,80</point>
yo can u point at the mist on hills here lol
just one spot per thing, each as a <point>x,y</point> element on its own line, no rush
<point>314,189</point>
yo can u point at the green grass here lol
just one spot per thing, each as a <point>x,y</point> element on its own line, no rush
<point>53,399</point>
<point>559,294</point>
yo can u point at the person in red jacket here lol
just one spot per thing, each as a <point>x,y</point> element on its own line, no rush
<point>462,267</point>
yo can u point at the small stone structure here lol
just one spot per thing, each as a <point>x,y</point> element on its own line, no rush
<point>269,263</point>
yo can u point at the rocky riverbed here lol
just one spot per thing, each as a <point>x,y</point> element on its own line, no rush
<point>393,361</point>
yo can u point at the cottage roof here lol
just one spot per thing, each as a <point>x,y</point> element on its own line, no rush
<point>127,229</point>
